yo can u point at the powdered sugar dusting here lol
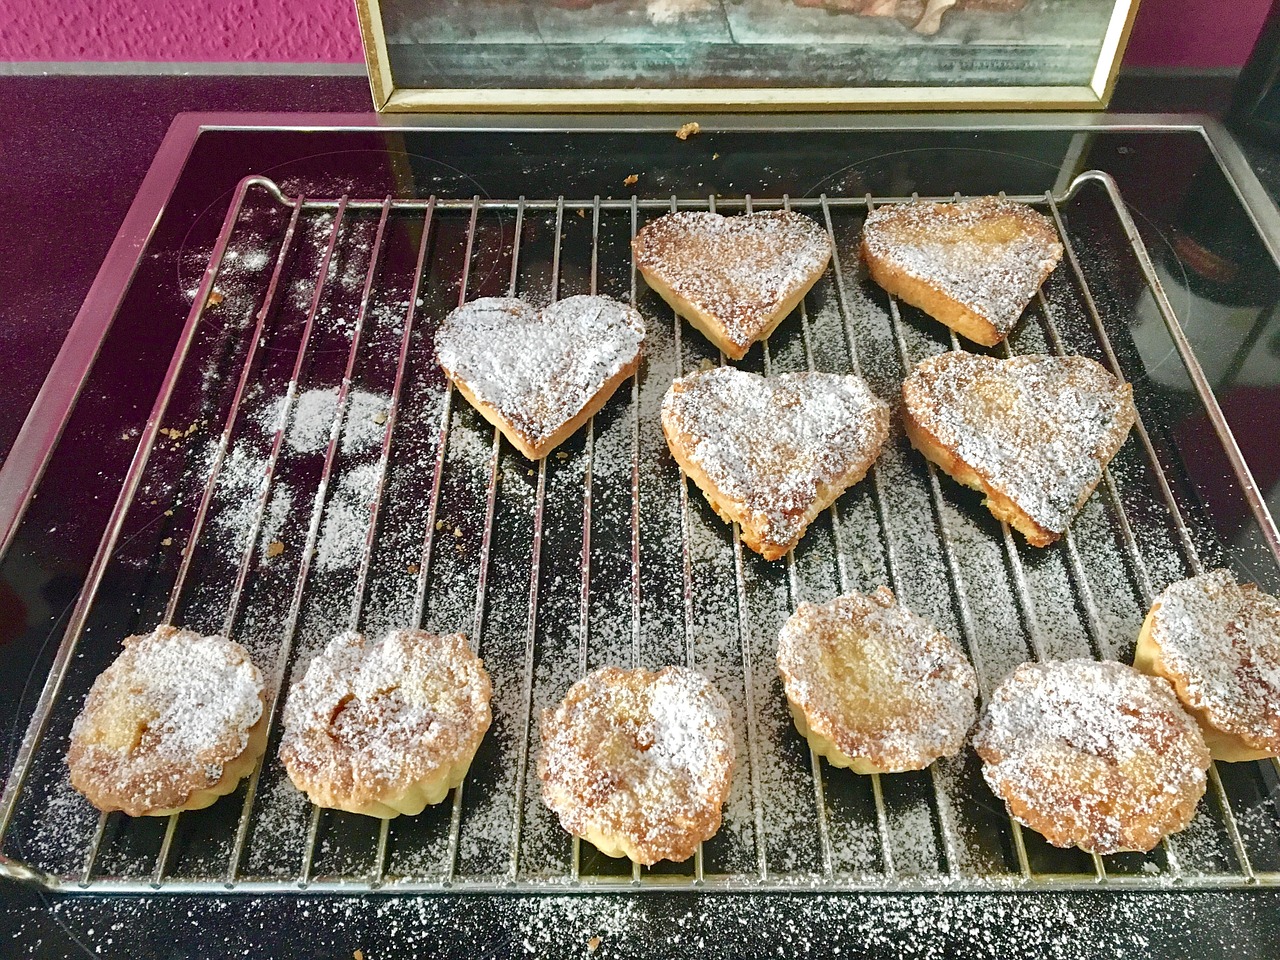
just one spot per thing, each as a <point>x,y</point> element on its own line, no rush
<point>371,719</point>
<point>538,370</point>
<point>878,681</point>
<point>773,446</point>
<point>1222,640</point>
<point>1037,429</point>
<point>163,719</point>
<point>641,755</point>
<point>990,255</point>
<point>1093,754</point>
<point>738,270</point>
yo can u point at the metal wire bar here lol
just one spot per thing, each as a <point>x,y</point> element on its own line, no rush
<point>584,596</point>
<point>952,563</point>
<point>38,724</point>
<point>535,567</point>
<point>246,559</point>
<point>224,440</point>
<point>393,411</point>
<point>317,512</point>
<point>753,749</point>
<point>357,603</point>
<point>1138,562</point>
<point>744,635</point>
<point>793,583</point>
<point>729,203</point>
<point>442,439</point>
<point>1175,510</point>
<point>486,542</point>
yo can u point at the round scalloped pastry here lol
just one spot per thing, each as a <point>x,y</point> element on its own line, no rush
<point>1218,643</point>
<point>873,686</point>
<point>639,762</point>
<point>1092,755</point>
<point>386,727</point>
<point>174,723</point>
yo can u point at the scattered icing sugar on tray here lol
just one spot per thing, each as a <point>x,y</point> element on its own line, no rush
<point>730,638</point>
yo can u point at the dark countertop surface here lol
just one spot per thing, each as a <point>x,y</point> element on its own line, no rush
<point>74,151</point>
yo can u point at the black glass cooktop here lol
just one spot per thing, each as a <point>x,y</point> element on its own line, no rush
<point>1207,252</point>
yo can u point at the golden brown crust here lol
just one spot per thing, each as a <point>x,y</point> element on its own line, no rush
<point>1000,506</point>
<point>638,762</point>
<point>537,449</point>
<point>771,454</point>
<point>539,375</point>
<point>173,724</point>
<point>973,265</point>
<point>1033,433</point>
<point>1092,754</point>
<point>874,687</point>
<point>734,278</point>
<point>1218,643</point>
<point>898,283</point>
<point>386,727</point>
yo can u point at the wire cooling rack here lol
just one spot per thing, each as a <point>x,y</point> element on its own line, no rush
<point>307,469</point>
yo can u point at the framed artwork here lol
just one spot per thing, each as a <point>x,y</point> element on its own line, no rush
<point>632,55</point>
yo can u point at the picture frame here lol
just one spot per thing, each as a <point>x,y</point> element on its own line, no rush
<point>751,55</point>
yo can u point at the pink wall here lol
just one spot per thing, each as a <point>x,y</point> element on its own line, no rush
<point>180,30</point>
<point>1185,33</point>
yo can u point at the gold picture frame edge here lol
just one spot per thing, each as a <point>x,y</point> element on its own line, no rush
<point>758,100</point>
<point>1095,95</point>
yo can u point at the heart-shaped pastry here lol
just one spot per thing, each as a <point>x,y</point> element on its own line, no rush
<point>1033,433</point>
<point>974,265</point>
<point>539,375</point>
<point>734,278</point>
<point>771,454</point>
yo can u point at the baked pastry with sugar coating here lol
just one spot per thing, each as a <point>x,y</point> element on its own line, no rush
<point>174,723</point>
<point>1092,755</point>
<point>386,727</point>
<point>638,763</point>
<point>771,454</point>
<point>974,265</point>
<point>1033,433</point>
<point>874,687</point>
<point>1218,643</point>
<point>540,375</point>
<point>734,278</point>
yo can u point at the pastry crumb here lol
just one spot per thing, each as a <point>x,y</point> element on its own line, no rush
<point>439,524</point>
<point>215,298</point>
<point>413,569</point>
<point>631,180</point>
<point>274,549</point>
<point>562,455</point>
<point>582,212</point>
<point>715,156</point>
<point>380,417</point>
<point>357,955</point>
<point>593,944</point>
<point>457,531</point>
<point>688,130</point>
<point>167,542</point>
